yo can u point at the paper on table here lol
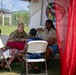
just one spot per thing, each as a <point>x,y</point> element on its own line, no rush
<point>6,53</point>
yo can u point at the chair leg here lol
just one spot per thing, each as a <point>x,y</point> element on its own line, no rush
<point>8,65</point>
<point>22,67</point>
<point>26,68</point>
<point>46,68</point>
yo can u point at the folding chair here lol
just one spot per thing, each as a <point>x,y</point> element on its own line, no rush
<point>36,47</point>
<point>2,56</point>
<point>40,32</point>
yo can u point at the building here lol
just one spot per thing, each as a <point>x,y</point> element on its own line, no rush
<point>5,13</point>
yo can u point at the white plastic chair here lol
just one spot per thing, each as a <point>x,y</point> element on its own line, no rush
<point>36,47</point>
<point>3,56</point>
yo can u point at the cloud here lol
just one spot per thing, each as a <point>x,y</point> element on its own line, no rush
<point>7,1</point>
<point>7,4</point>
<point>22,5</point>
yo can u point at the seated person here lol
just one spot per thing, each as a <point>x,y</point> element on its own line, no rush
<point>7,53</point>
<point>32,36</point>
<point>19,34</point>
<point>50,36</point>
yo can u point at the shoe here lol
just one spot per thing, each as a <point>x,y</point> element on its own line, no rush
<point>37,70</point>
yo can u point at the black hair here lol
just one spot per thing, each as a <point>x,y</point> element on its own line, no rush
<point>51,22</point>
<point>33,32</point>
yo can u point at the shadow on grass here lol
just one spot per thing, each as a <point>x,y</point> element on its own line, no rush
<point>54,69</point>
<point>16,68</point>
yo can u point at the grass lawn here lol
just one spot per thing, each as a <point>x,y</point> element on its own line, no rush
<point>8,29</point>
<point>16,70</point>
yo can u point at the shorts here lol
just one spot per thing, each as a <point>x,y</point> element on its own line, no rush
<point>33,56</point>
<point>54,49</point>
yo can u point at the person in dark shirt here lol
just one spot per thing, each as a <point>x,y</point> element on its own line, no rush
<point>32,37</point>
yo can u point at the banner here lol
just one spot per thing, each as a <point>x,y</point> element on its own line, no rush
<point>48,11</point>
<point>66,34</point>
<point>63,14</point>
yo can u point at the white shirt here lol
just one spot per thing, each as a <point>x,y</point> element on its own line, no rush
<point>48,34</point>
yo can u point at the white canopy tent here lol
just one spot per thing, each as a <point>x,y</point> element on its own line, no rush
<point>35,9</point>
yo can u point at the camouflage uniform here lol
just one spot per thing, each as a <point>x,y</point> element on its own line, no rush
<point>16,36</point>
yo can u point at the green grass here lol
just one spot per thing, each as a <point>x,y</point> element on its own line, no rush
<point>16,70</point>
<point>6,30</point>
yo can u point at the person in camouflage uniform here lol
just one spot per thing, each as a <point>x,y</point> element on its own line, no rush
<point>19,34</point>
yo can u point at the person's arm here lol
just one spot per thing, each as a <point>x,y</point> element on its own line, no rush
<point>3,49</point>
<point>25,48</point>
<point>52,41</point>
<point>13,37</point>
<point>52,37</point>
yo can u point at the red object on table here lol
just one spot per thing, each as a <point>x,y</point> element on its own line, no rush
<point>16,45</point>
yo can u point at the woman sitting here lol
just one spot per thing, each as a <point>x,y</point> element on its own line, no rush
<point>50,36</point>
<point>19,34</point>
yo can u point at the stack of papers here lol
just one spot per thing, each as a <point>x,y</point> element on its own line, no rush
<point>6,53</point>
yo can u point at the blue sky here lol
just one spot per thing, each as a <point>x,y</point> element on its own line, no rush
<point>14,5</point>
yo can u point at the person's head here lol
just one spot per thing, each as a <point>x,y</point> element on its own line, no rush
<point>49,24</point>
<point>32,32</point>
<point>21,27</point>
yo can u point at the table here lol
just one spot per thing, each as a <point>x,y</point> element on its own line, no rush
<point>16,45</point>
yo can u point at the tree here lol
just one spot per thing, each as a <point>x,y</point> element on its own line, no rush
<point>20,16</point>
